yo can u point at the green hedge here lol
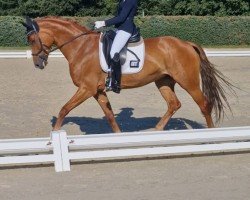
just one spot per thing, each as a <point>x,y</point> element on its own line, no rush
<point>208,31</point>
<point>12,32</point>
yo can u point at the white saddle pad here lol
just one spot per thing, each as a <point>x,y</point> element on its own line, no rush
<point>138,48</point>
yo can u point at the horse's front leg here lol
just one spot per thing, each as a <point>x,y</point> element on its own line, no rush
<point>80,96</point>
<point>102,99</point>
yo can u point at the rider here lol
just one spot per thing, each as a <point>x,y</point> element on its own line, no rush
<point>124,23</point>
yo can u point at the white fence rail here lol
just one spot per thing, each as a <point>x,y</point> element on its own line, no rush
<point>61,149</point>
<point>58,54</point>
<point>25,54</point>
<point>227,53</point>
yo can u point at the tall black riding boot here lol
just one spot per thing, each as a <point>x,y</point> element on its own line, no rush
<point>116,74</point>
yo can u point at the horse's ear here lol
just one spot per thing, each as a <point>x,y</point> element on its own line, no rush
<point>31,25</point>
<point>36,26</point>
<point>28,21</point>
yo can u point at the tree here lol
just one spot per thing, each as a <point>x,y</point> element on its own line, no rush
<point>35,8</point>
<point>8,7</point>
<point>195,7</point>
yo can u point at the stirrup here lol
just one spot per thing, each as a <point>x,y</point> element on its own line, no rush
<point>108,84</point>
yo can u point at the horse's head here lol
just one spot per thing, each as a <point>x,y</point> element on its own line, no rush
<point>40,43</point>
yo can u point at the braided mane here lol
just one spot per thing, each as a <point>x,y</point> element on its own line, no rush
<point>63,19</point>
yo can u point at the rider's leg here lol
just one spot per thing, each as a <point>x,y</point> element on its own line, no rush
<point>120,41</point>
<point>116,73</point>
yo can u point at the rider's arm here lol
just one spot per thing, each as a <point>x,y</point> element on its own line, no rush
<point>128,5</point>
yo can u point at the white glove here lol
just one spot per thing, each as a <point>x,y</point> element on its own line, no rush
<point>99,24</point>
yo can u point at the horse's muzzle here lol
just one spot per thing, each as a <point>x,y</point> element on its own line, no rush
<point>39,66</point>
<point>41,62</point>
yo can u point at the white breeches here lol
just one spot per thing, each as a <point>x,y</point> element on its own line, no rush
<point>120,41</point>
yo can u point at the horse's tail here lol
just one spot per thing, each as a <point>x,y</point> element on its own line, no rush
<point>212,81</point>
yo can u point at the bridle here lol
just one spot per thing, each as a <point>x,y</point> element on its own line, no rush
<point>47,50</point>
<point>42,49</point>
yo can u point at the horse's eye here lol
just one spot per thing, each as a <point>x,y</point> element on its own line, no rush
<point>31,42</point>
<point>31,39</point>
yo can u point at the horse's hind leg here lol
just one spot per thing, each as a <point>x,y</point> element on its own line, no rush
<point>103,101</point>
<point>205,108</point>
<point>166,87</point>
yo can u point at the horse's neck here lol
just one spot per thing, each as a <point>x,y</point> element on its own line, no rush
<point>65,35</point>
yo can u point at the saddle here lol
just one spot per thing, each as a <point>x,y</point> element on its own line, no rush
<point>107,40</point>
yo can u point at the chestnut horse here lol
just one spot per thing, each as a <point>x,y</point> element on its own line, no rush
<point>168,61</point>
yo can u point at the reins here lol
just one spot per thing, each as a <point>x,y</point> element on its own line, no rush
<point>74,38</point>
<point>47,52</point>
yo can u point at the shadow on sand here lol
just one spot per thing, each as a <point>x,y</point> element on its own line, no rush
<point>127,123</point>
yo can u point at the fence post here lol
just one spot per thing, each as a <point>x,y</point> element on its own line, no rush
<point>65,151</point>
<point>28,54</point>
<point>60,150</point>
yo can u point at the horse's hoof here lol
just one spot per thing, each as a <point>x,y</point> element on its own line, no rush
<point>55,129</point>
